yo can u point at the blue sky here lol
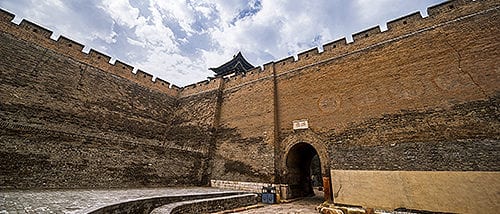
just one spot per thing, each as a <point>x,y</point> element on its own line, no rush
<point>178,40</point>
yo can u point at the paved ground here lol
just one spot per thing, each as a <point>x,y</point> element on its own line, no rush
<point>304,205</point>
<point>73,201</point>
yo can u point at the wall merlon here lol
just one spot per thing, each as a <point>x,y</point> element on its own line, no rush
<point>162,82</point>
<point>404,21</point>
<point>172,86</point>
<point>232,78</point>
<point>285,64</point>
<point>441,8</point>
<point>255,70</point>
<point>308,53</point>
<point>123,70</point>
<point>143,75</point>
<point>268,67</point>
<point>36,29</point>
<point>66,44</point>
<point>123,66</point>
<point>190,86</point>
<point>164,86</point>
<point>201,83</point>
<point>99,57</point>
<point>453,9</point>
<point>250,77</point>
<point>286,60</point>
<point>335,44</point>
<point>6,16</point>
<point>366,33</point>
<point>200,87</point>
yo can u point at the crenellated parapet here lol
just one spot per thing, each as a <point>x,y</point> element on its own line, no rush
<point>200,87</point>
<point>397,29</point>
<point>373,37</point>
<point>41,36</point>
<point>250,77</point>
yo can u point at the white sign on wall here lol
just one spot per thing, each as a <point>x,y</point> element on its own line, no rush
<point>300,124</point>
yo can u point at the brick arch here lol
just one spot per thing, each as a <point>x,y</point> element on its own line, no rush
<point>317,142</point>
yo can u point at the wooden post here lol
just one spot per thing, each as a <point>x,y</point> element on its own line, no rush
<point>327,189</point>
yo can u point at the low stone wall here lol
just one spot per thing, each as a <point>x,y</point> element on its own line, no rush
<point>239,185</point>
<point>147,205</point>
<point>437,191</point>
<point>215,204</point>
<point>281,189</point>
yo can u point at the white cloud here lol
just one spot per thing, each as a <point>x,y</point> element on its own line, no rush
<point>178,40</point>
<point>122,12</point>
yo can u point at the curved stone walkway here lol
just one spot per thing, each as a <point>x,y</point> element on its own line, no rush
<point>302,206</point>
<point>75,201</point>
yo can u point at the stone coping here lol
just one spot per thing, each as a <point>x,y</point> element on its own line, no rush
<point>148,204</point>
<point>72,201</point>
<point>209,204</point>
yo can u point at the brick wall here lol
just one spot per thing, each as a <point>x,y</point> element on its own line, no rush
<point>433,88</point>
<point>65,124</point>
<point>425,88</point>
<point>245,141</point>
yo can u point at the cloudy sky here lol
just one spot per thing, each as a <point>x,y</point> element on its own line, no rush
<point>178,40</point>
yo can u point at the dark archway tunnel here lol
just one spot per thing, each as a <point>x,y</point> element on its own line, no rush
<point>303,170</point>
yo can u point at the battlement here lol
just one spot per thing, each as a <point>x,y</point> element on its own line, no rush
<point>41,36</point>
<point>5,16</point>
<point>371,37</point>
<point>397,28</point>
<point>366,33</point>
<point>200,87</point>
<point>362,40</point>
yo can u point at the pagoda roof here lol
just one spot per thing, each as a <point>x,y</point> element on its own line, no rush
<point>236,65</point>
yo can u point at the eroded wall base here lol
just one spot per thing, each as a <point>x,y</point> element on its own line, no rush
<point>444,191</point>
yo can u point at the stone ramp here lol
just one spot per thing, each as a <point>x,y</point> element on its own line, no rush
<point>83,200</point>
<point>182,203</point>
<point>209,205</point>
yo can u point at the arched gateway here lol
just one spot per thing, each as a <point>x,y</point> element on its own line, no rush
<point>301,150</point>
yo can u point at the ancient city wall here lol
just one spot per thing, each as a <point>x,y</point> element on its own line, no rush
<point>36,34</point>
<point>418,98</point>
<point>426,101</point>
<point>67,124</point>
<point>421,96</point>
<point>245,142</point>
<point>440,84</point>
<point>418,81</point>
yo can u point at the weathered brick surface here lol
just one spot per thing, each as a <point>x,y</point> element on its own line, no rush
<point>36,34</point>
<point>65,124</point>
<point>245,140</point>
<point>395,100</point>
<point>428,91</point>
<point>463,138</point>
